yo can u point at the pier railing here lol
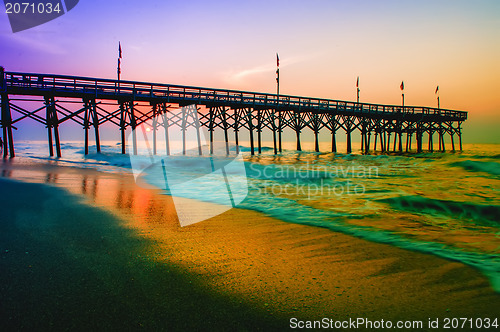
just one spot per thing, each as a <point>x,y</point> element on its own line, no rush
<point>41,84</point>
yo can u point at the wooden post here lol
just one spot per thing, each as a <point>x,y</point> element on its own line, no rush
<point>395,141</point>
<point>400,139</point>
<point>431,147</point>
<point>259,131</point>
<point>316,141</point>
<point>122,126</point>
<point>280,129</point>
<point>56,135</point>
<point>96,126</point>
<point>155,124</point>
<point>349,148</point>
<point>441,138</point>
<point>273,126</point>
<point>4,126</point>
<point>297,133</point>
<point>6,122</point>
<point>166,124</point>
<point>236,128</point>
<point>375,135</point>
<point>250,130</point>
<point>363,136</point>
<point>460,136</point>
<point>53,125</point>
<point>333,124</point>
<point>297,129</point>
<point>183,129</point>
<point>86,125</point>
<point>197,125</point>
<point>48,120</point>
<point>211,128</point>
<point>407,139</point>
<point>367,142</point>
<point>388,141</point>
<point>316,132</point>
<point>133,125</point>
<point>224,122</point>
<point>452,141</point>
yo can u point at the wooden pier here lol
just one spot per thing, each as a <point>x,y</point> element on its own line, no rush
<point>51,100</point>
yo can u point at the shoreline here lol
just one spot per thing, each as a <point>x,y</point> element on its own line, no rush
<point>277,269</point>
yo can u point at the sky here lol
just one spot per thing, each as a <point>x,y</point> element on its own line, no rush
<point>323,47</point>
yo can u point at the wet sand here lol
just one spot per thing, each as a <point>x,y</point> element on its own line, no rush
<point>103,252</point>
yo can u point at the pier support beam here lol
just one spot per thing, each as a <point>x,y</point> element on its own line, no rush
<point>122,126</point>
<point>316,127</point>
<point>259,131</point>
<point>250,130</point>
<point>349,147</point>
<point>452,141</point>
<point>431,143</point>
<point>166,125</point>
<point>274,129</point>
<point>367,142</point>
<point>280,130</point>
<point>211,128</point>
<point>131,111</point>
<point>52,125</point>
<point>90,117</point>
<point>333,128</point>
<point>459,133</point>
<point>86,125</point>
<point>418,137</point>
<point>6,122</point>
<point>155,126</point>
<point>236,127</point>
<point>224,123</point>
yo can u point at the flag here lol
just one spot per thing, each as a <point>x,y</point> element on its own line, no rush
<point>357,83</point>
<point>402,86</point>
<point>119,50</point>
<point>118,69</point>
<point>277,60</point>
<point>437,89</point>
<point>278,75</point>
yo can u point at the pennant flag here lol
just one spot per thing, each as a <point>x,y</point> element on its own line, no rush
<point>119,50</point>
<point>119,69</point>
<point>437,89</point>
<point>277,75</point>
<point>357,83</point>
<point>277,60</point>
<point>402,86</point>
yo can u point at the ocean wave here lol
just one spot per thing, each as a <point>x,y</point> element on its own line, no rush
<point>480,214</point>
<point>489,167</point>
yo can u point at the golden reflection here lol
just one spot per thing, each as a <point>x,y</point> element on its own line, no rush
<point>287,265</point>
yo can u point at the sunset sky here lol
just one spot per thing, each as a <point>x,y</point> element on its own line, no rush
<point>323,46</point>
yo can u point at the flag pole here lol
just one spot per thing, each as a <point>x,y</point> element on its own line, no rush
<point>357,88</point>
<point>402,87</point>
<point>277,75</point>
<point>437,92</point>
<point>277,105</point>
<point>119,71</point>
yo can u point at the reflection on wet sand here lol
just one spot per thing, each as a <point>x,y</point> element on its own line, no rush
<point>280,267</point>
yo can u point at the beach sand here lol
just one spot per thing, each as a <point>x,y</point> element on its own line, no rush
<point>94,250</point>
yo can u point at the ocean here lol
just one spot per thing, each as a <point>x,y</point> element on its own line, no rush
<point>444,204</point>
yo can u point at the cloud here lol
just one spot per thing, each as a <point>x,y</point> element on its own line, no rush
<point>38,41</point>
<point>241,75</point>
